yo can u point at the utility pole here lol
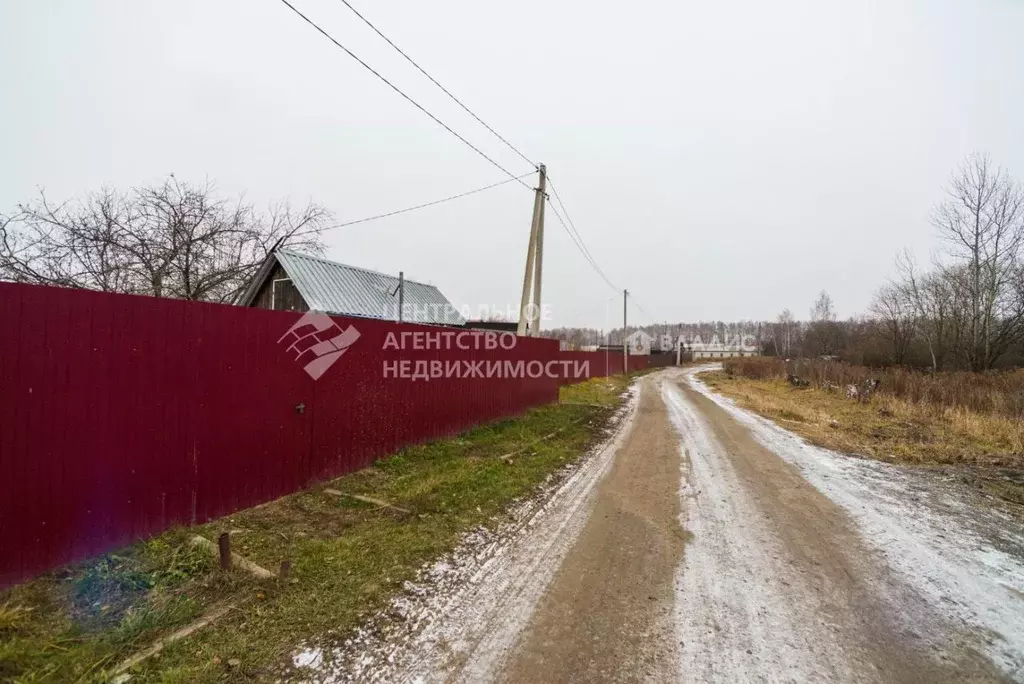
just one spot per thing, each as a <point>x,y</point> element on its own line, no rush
<point>401,295</point>
<point>534,256</point>
<point>535,327</point>
<point>625,340</point>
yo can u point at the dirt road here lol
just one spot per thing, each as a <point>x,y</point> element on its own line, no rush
<point>607,615</point>
<point>778,581</point>
<point>705,544</point>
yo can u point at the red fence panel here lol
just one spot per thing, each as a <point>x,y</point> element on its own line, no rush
<point>661,359</point>
<point>600,364</point>
<point>362,414</point>
<point>121,416</point>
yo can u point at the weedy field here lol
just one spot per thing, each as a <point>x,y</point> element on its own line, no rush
<point>940,420</point>
<point>992,393</point>
<point>351,543</point>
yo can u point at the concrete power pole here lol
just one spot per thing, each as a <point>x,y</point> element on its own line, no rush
<point>535,326</point>
<point>534,260</point>
<point>625,340</point>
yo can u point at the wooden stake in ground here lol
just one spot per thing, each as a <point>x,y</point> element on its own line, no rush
<point>235,559</point>
<point>224,545</point>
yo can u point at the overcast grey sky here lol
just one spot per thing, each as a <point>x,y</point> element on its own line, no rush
<point>722,160</point>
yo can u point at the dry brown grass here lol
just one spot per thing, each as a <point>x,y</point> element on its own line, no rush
<point>997,393</point>
<point>988,447</point>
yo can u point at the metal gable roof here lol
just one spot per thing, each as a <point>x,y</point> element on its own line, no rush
<point>339,289</point>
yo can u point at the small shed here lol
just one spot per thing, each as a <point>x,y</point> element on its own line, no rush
<point>293,281</point>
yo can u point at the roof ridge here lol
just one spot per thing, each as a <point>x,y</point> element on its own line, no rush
<point>303,255</point>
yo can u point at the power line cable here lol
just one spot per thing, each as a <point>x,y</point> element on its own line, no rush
<point>590,307</point>
<point>580,246</point>
<point>400,92</point>
<point>435,82</point>
<point>418,206</point>
<point>575,234</point>
<point>572,225</point>
<point>578,239</point>
<point>572,231</point>
<point>640,308</point>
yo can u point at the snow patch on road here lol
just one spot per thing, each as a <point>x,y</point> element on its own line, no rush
<point>742,613</point>
<point>464,613</point>
<point>967,561</point>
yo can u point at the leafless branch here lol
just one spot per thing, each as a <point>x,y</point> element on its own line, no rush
<point>173,239</point>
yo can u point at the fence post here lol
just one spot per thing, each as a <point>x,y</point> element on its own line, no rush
<point>224,543</point>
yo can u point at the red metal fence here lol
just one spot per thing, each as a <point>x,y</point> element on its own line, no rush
<point>121,416</point>
<point>605,363</point>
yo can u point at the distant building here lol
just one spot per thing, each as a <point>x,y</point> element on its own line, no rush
<point>292,281</point>
<point>715,350</point>
<point>640,344</point>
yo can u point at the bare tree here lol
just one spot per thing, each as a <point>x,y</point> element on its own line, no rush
<point>823,332</point>
<point>823,310</point>
<point>983,221</point>
<point>894,308</point>
<point>783,332</point>
<point>169,240</point>
<point>933,299</point>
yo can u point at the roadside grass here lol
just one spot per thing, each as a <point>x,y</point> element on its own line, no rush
<point>987,449</point>
<point>348,558</point>
<point>990,393</point>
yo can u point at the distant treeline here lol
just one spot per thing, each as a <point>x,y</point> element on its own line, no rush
<point>964,312</point>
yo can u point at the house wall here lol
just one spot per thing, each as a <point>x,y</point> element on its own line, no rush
<point>288,298</point>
